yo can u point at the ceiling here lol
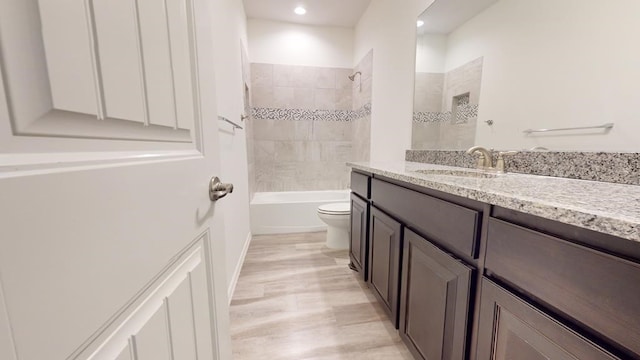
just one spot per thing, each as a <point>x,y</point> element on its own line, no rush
<point>444,16</point>
<point>343,13</point>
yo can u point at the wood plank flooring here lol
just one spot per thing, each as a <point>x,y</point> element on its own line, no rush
<point>297,299</point>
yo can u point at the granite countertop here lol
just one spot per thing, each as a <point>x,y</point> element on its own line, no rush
<point>604,207</point>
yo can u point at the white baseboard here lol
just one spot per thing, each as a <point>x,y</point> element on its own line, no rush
<point>236,273</point>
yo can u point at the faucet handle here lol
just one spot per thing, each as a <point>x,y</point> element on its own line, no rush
<point>500,162</point>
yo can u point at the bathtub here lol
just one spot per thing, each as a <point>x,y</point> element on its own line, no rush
<point>292,211</point>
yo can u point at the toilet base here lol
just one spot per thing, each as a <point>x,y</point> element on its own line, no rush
<point>337,238</point>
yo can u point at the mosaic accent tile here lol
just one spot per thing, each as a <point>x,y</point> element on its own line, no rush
<point>430,117</point>
<point>310,114</point>
<point>464,114</point>
<point>621,168</point>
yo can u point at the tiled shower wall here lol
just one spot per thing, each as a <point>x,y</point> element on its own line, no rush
<point>307,122</point>
<point>302,127</point>
<point>248,124</point>
<point>361,129</point>
<point>434,126</point>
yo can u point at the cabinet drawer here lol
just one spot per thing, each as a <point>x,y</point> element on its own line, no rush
<point>361,184</point>
<point>596,290</point>
<point>453,226</point>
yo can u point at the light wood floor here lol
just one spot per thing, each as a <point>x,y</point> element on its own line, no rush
<point>296,299</point>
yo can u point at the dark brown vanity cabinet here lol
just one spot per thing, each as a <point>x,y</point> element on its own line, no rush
<point>384,261</point>
<point>359,235</point>
<point>359,228</point>
<point>597,292</point>
<point>511,329</point>
<point>435,300</point>
<point>465,280</point>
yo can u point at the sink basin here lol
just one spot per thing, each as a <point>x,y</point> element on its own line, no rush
<point>460,173</point>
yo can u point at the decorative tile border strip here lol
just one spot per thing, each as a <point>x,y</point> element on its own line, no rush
<point>620,168</point>
<point>431,117</point>
<point>310,114</point>
<point>465,113</point>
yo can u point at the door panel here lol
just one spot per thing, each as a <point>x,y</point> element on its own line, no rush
<point>100,69</point>
<point>151,341</point>
<point>384,261</point>
<point>359,232</point>
<point>109,244</point>
<point>68,50</point>
<point>125,354</point>
<point>182,322</point>
<point>434,301</point>
<point>509,328</point>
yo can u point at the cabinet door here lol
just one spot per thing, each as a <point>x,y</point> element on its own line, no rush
<point>512,329</point>
<point>384,261</point>
<point>359,235</point>
<point>434,305</point>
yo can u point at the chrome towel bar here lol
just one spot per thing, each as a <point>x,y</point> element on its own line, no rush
<point>606,126</point>
<point>235,126</point>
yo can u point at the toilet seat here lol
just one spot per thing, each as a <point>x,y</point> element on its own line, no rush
<point>343,208</point>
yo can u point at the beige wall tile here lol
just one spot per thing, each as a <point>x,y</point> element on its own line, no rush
<point>344,99</point>
<point>303,98</point>
<point>283,130</point>
<point>261,75</point>
<point>262,97</point>
<point>283,97</point>
<point>282,75</point>
<point>304,77</point>
<point>303,130</point>
<point>264,150</point>
<point>326,78</point>
<point>332,130</point>
<point>342,78</point>
<point>366,65</point>
<point>325,99</point>
<point>289,151</point>
<point>337,151</point>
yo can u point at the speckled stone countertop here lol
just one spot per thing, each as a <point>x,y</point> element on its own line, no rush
<point>604,207</point>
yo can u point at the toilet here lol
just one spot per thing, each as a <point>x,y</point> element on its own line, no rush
<point>337,218</point>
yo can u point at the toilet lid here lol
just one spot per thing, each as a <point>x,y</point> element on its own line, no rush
<point>335,208</point>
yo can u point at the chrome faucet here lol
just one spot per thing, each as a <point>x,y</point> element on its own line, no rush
<point>485,161</point>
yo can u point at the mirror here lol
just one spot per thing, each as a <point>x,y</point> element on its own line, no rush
<point>489,70</point>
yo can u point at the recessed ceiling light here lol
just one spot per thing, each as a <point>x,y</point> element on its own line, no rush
<point>420,23</point>
<point>300,10</point>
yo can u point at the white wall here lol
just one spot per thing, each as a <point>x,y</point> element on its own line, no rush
<point>283,43</point>
<point>555,63</point>
<point>390,30</point>
<point>431,53</point>
<point>229,35</point>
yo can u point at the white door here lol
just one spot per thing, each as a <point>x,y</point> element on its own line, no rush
<point>109,245</point>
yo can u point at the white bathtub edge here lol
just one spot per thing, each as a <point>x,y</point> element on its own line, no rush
<point>271,230</point>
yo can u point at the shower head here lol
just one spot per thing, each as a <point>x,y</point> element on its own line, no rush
<point>353,77</point>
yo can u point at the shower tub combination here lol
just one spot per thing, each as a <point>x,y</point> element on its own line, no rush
<point>291,211</point>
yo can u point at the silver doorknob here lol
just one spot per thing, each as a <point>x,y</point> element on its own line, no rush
<point>218,189</point>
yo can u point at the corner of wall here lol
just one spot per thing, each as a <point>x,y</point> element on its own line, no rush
<point>236,274</point>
